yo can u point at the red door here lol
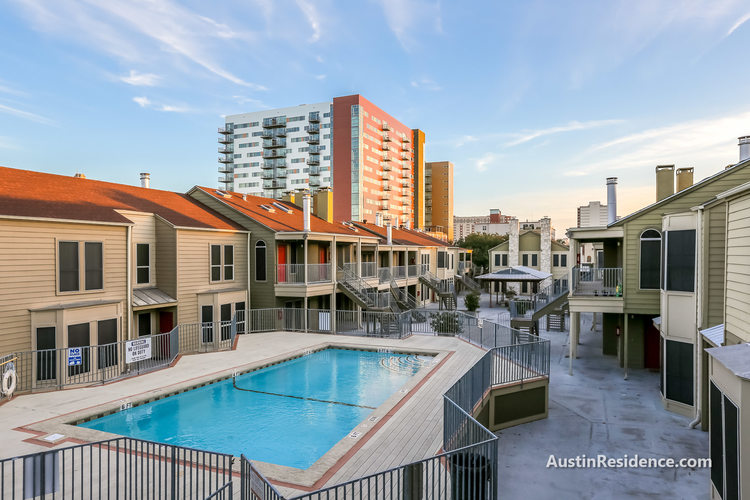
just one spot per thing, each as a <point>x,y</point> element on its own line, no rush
<point>651,357</point>
<point>322,256</point>
<point>281,259</point>
<point>166,324</point>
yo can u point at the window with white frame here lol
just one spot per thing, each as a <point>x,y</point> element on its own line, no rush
<point>222,262</point>
<point>142,263</point>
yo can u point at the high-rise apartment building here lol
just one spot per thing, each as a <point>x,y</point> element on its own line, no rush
<point>593,214</point>
<point>439,197</point>
<point>270,152</point>
<point>494,223</point>
<point>375,165</point>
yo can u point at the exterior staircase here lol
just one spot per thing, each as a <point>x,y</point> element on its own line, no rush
<point>405,301</point>
<point>445,289</point>
<point>360,291</point>
<point>469,283</point>
<point>525,314</point>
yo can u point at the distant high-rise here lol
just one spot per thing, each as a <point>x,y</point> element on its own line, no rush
<point>591,215</point>
<point>439,197</point>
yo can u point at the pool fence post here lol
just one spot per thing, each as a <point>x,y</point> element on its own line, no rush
<point>412,484</point>
<point>173,478</point>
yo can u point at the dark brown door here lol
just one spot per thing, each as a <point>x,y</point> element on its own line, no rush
<point>651,345</point>
<point>166,321</point>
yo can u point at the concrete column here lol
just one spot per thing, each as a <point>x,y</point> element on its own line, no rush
<point>359,257</point>
<point>513,255</point>
<point>573,339</point>
<point>305,308</point>
<point>333,311</point>
<point>334,262</point>
<point>625,346</point>
<point>304,259</point>
<point>545,256</point>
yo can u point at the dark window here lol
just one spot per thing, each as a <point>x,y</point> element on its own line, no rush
<point>525,259</point>
<point>68,264</point>
<point>555,260</point>
<point>563,260</point>
<point>497,259</point>
<point>78,336</point>
<point>144,324</point>
<point>46,359</point>
<point>239,312</point>
<point>225,311</point>
<point>260,261</point>
<point>505,259</point>
<point>207,318</point>
<point>441,260</point>
<point>107,338</point>
<point>228,263</point>
<point>215,262</point>
<point>731,450</point>
<point>94,266</point>
<point>534,259</point>
<point>716,435</point>
<point>524,287</point>
<point>680,262</point>
<point>679,372</point>
<point>143,263</point>
<point>650,259</point>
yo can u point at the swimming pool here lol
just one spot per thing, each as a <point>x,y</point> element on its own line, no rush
<point>288,414</point>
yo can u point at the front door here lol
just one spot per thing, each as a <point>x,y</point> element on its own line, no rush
<point>651,345</point>
<point>281,260</point>
<point>166,321</point>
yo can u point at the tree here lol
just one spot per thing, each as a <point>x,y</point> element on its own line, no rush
<point>472,302</point>
<point>480,245</point>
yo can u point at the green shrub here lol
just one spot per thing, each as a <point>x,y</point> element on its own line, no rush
<point>471,301</point>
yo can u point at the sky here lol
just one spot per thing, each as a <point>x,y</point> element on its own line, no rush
<point>536,103</point>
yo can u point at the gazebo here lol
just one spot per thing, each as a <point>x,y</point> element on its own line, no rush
<point>515,274</point>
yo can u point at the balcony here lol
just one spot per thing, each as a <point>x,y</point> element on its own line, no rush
<point>276,142</point>
<point>314,181</point>
<point>386,157</point>
<point>313,139</point>
<point>405,157</point>
<point>405,191</point>
<point>384,205</point>
<point>271,133</point>
<point>278,163</point>
<point>386,166</point>
<point>313,117</point>
<point>368,269</point>
<point>225,179</point>
<point>274,184</point>
<point>226,159</point>
<point>225,139</point>
<point>290,273</point>
<point>385,175</point>
<point>405,147</point>
<point>226,150</point>
<point>386,147</point>
<point>405,167</point>
<point>405,139</point>
<point>274,153</point>
<point>315,150</point>
<point>313,161</point>
<point>280,173</point>
<point>313,128</point>
<point>386,126</point>
<point>385,196</point>
<point>597,281</point>
<point>278,121</point>
<point>386,138</point>
<point>226,169</point>
<point>314,170</point>
<point>399,272</point>
<point>386,186</point>
<point>267,174</point>
<point>226,130</point>
<point>384,274</point>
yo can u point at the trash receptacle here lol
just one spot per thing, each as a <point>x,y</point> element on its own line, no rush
<point>470,474</point>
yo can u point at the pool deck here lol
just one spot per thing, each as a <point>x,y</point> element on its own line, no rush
<point>410,431</point>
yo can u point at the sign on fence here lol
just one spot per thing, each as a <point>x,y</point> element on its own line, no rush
<point>75,356</point>
<point>137,350</point>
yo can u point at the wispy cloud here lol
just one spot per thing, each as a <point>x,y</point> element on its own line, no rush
<point>26,115</point>
<point>141,79</point>
<point>426,84</point>
<point>466,139</point>
<point>7,89</point>
<point>165,27</point>
<point>408,18</point>
<point>313,18</point>
<point>483,163</point>
<point>256,103</point>
<point>739,23</point>
<point>530,135</point>
<point>143,102</point>
<point>7,143</point>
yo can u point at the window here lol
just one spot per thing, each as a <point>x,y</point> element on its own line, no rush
<point>46,359</point>
<point>563,260</point>
<point>505,260</point>
<point>497,259</point>
<point>525,259</point>
<point>106,332</point>
<point>679,372</point>
<point>222,262</point>
<point>441,263</point>
<point>650,259</point>
<point>680,261</point>
<point>534,259</point>
<point>144,324</point>
<point>260,261</point>
<point>225,312</point>
<point>555,260</point>
<point>142,263</point>
<point>78,336</point>
<point>239,311</point>
<point>207,328</point>
<point>68,266</point>
<point>723,444</point>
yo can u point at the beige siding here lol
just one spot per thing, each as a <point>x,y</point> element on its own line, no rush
<point>144,231</point>
<point>716,219</point>
<point>28,271</point>
<point>738,269</point>
<point>647,301</point>
<point>166,257</point>
<point>262,294</point>
<point>193,268</point>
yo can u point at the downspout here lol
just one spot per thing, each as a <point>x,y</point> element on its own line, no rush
<point>248,307</point>
<point>700,260</point>
<point>128,277</point>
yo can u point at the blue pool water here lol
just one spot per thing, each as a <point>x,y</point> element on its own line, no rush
<point>272,428</point>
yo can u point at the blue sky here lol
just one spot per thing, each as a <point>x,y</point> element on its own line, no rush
<point>535,102</point>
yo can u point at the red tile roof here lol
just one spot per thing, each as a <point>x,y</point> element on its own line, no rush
<point>24,193</point>
<point>402,236</point>
<point>279,220</point>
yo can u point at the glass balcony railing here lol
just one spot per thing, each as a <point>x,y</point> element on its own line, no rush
<point>313,117</point>
<point>278,121</point>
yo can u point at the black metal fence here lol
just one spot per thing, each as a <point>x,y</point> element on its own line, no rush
<point>121,468</point>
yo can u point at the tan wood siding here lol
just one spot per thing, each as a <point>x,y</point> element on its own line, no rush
<point>647,301</point>
<point>715,246</point>
<point>28,270</point>
<point>738,269</point>
<point>144,231</point>
<point>166,258</point>
<point>193,268</point>
<point>262,293</point>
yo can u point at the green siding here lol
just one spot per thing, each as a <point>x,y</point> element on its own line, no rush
<point>529,242</point>
<point>738,269</point>
<point>715,245</point>
<point>166,257</point>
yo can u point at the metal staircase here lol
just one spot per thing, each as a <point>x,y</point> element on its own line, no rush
<point>525,314</point>
<point>445,289</point>
<point>469,283</point>
<point>360,291</point>
<point>405,301</point>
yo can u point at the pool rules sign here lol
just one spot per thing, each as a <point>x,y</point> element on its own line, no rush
<point>137,350</point>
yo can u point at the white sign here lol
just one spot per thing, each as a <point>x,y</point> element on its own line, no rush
<point>137,350</point>
<point>75,356</point>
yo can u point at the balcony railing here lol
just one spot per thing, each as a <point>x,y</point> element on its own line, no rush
<point>314,170</point>
<point>312,160</point>
<point>412,270</point>
<point>313,117</point>
<point>368,269</point>
<point>386,126</point>
<point>315,150</point>
<point>226,149</point>
<point>290,273</point>
<point>225,139</point>
<point>405,139</point>
<point>319,273</point>
<point>386,137</point>
<point>313,139</point>
<point>274,143</point>
<point>597,281</point>
<point>406,148</point>
<point>313,128</point>
<point>386,186</point>
<point>278,121</point>
<point>386,157</point>
<point>226,169</point>
<point>399,272</point>
<point>384,274</point>
<point>226,159</point>
<point>277,163</point>
<point>270,133</point>
<point>314,181</point>
<point>274,153</point>
<point>386,147</point>
<point>274,184</point>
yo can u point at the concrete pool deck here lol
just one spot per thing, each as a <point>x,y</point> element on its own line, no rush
<point>395,441</point>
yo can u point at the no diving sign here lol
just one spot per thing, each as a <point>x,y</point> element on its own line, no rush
<point>137,350</point>
<point>75,356</point>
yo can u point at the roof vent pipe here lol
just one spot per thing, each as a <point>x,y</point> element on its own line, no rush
<point>744,147</point>
<point>389,234</point>
<point>611,199</point>
<point>306,202</point>
<point>145,180</point>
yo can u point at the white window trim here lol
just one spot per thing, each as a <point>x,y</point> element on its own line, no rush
<point>81,267</point>
<point>137,267</point>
